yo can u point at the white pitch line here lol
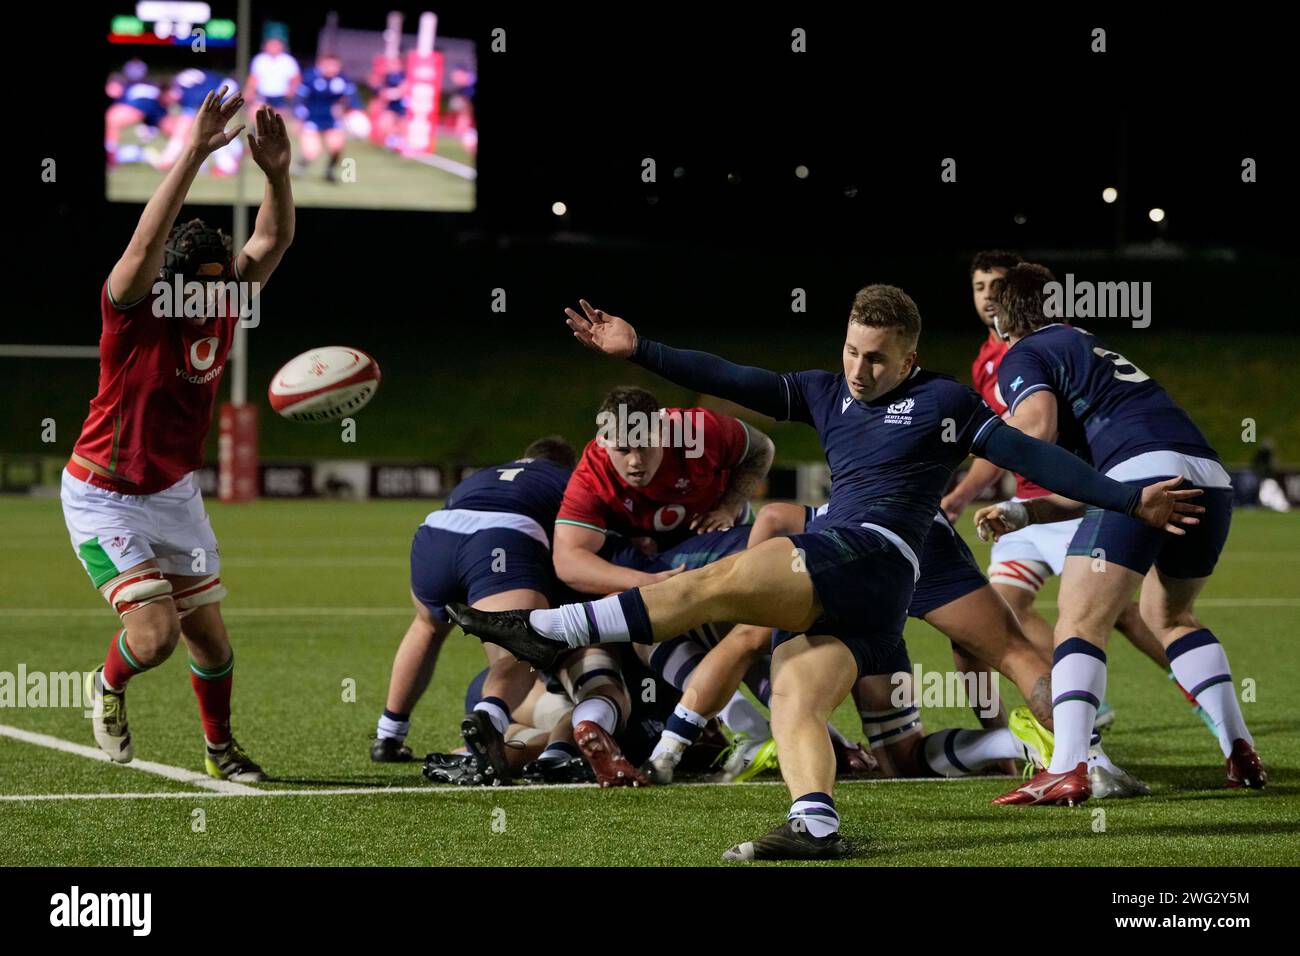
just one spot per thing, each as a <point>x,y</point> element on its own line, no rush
<point>448,165</point>
<point>437,790</point>
<point>179,774</point>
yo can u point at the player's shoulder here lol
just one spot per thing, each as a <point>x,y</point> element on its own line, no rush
<point>816,377</point>
<point>699,417</point>
<point>816,385</point>
<point>115,312</point>
<point>594,459</point>
<point>941,388</point>
<point>1055,336</point>
<point>542,466</point>
<point>928,380</point>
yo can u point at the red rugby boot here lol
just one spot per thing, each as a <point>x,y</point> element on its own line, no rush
<point>612,769</point>
<point>1045,787</point>
<point>1244,767</point>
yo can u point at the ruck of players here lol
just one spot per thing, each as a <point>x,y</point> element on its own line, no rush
<point>646,619</point>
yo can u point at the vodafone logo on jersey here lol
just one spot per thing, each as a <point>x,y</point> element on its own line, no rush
<point>203,353</point>
<point>669,517</point>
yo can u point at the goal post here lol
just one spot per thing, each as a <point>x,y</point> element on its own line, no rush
<point>237,435</point>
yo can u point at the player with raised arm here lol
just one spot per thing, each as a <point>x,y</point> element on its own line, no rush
<point>130,498</point>
<point>893,434</point>
<point>1064,386</point>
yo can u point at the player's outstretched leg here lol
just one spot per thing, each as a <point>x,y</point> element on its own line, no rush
<point>810,676</point>
<point>755,586</point>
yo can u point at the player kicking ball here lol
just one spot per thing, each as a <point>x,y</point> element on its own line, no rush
<point>130,498</point>
<point>893,433</point>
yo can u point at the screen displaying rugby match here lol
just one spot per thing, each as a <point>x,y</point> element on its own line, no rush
<point>379,107</point>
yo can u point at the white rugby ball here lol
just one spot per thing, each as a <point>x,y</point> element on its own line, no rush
<point>324,384</point>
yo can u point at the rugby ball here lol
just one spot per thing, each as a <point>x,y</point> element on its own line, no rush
<point>324,384</point>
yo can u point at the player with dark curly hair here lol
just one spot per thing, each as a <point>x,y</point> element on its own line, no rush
<point>130,499</point>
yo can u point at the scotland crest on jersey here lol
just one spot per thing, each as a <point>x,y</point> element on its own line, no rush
<point>900,412</point>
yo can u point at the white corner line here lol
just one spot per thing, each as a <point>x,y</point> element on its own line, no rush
<point>179,774</point>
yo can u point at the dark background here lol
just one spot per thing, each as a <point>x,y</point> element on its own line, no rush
<point>1037,123</point>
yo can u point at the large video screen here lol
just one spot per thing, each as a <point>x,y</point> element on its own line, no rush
<point>381,111</point>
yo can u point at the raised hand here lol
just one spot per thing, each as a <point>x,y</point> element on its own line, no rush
<point>1162,507</point>
<point>270,145</point>
<point>208,132</point>
<point>601,332</point>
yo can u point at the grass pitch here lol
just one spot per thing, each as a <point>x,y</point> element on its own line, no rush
<point>319,600</point>
<point>383,180</point>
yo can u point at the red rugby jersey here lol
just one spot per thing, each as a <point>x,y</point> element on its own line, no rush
<point>984,374</point>
<point>158,381</point>
<point>598,498</point>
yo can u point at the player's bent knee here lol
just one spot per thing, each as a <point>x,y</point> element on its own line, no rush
<point>154,631</point>
<point>209,590</point>
<point>136,589</point>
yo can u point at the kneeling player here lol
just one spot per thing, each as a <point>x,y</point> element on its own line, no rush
<point>488,546</point>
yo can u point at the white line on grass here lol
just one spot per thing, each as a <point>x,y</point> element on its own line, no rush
<point>448,165</point>
<point>179,774</point>
<point>436,790</point>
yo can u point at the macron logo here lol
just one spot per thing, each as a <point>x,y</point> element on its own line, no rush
<point>1017,383</point>
<point>103,909</point>
<point>844,407</point>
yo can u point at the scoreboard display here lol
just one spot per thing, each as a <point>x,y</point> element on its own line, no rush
<point>380,118</point>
